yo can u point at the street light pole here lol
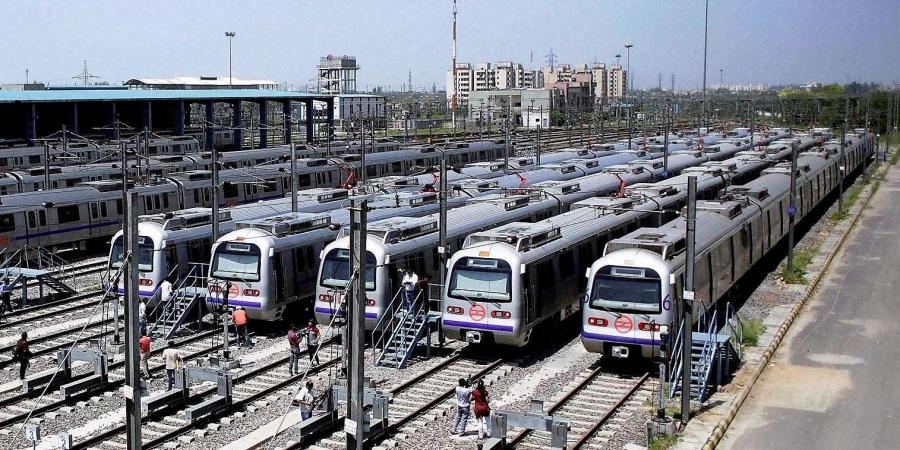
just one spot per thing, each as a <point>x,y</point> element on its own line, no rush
<point>705,40</point>
<point>230,35</point>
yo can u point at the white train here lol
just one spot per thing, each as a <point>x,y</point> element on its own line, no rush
<point>62,218</point>
<point>286,270</point>
<point>633,292</point>
<point>508,280</point>
<point>401,242</point>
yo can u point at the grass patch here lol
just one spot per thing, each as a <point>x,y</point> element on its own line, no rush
<point>802,258</point>
<point>850,199</point>
<point>752,330</point>
<point>663,443</point>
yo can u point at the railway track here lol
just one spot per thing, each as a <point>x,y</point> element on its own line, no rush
<point>16,408</point>
<point>589,405</point>
<point>417,396</point>
<point>269,379</point>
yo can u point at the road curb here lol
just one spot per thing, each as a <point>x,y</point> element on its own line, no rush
<point>719,431</point>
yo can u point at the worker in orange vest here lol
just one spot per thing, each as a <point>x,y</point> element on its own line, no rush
<point>240,326</point>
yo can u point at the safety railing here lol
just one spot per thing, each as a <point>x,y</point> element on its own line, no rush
<point>705,363</point>
<point>381,332</point>
<point>736,329</point>
<point>405,327</point>
<point>675,362</point>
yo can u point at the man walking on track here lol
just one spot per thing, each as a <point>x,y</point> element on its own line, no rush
<point>144,345</point>
<point>173,361</point>
<point>312,341</point>
<point>240,326</point>
<point>23,355</point>
<point>294,344</point>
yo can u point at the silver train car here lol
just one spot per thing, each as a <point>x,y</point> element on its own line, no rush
<point>633,291</point>
<point>507,281</point>
<point>89,218</point>
<point>412,243</point>
<point>270,263</point>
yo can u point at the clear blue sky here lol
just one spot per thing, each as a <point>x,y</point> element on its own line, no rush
<point>753,40</point>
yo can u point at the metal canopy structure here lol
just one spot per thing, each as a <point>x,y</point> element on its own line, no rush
<point>31,114</point>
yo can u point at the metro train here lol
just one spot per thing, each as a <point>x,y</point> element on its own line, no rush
<point>634,290</point>
<point>286,276</point>
<point>185,234</point>
<point>412,242</point>
<point>71,217</point>
<point>507,281</point>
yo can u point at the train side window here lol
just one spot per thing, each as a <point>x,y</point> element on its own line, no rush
<point>299,261</point>
<point>165,199</point>
<point>68,214</point>
<point>304,180</point>
<point>156,202</point>
<point>396,167</point>
<point>34,159</point>
<point>566,265</point>
<point>311,258</point>
<point>270,185</point>
<point>119,207</point>
<point>32,222</point>
<point>42,218</point>
<point>148,203</point>
<point>585,254</point>
<point>196,196</point>
<point>103,210</point>
<point>7,223</point>
<point>95,210</point>
<point>230,190</point>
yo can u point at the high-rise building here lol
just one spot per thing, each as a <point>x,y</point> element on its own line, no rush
<point>616,82</point>
<point>487,77</point>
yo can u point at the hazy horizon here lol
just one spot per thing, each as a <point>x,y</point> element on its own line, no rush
<point>754,42</point>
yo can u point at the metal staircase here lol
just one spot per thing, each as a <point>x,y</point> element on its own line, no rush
<point>398,331</point>
<point>185,306</point>
<point>39,264</point>
<point>711,347</point>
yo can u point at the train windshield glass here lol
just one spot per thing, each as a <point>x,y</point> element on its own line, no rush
<point>236,262</point>
<point>481,279</point>
<point>145,253</point>
<point>626,289</point>
<point>336,269</point>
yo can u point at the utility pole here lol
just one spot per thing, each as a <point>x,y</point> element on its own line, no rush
<point>442,228</point>
<point>294,206</point>
<point>356,325</point>
<point>792,210</point>
<point>506,141</point>
<point>841,164</point>
<point>688,301</point>
<point>705,41</point>
<point>666,139</point>
<point>540,125</point>
<point>215,193</point>
<point>362,148</point>
<point>750,112</point>
<point>230,35</point>
<point>47,165</point>
<point>453,68</point>
<point>132,368</point>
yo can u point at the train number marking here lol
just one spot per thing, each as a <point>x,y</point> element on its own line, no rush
<point>667,303</point>
<point>623,324</point>
<point>477,313</point>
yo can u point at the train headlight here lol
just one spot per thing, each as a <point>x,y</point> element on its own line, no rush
<point>251,292</point>
<point>370,302</point>
<point>454,310</point>
<point>501,314</point>
<point>597,321</point>
<point>648,326</point>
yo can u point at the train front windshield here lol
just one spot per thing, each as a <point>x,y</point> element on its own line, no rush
<point>481,279</point>
<point>336,269</point>
<point>145,253</point>
<point>626,289</point>
<point>236,262</point>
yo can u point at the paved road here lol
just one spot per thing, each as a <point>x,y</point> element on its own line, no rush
<point>835,382</point>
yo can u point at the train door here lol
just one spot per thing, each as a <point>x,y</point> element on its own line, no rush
<point>94,219</point>
<point>528,289</point>
<point>37,225</point>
